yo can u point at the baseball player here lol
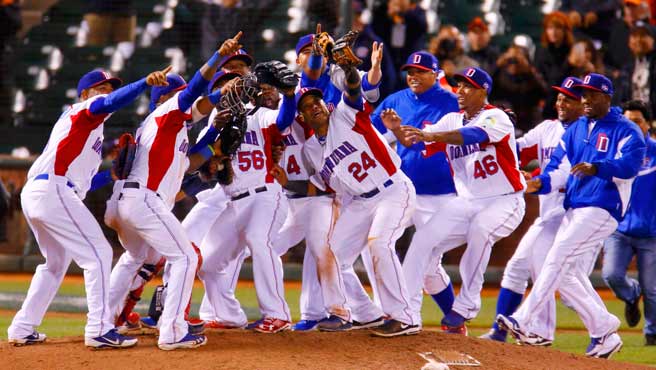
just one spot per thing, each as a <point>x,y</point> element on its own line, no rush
<point>358,162</point>
<point>606,151</point>
<point>636,234</point>
<point>526,262</point>
<point>145,199</point>
<point>423,103</point>
<point>255,212</point>
<point>480,145</point>
<point>62,225</point>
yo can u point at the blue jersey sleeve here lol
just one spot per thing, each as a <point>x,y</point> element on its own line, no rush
<point>627,164</point>
<point>101,179</point>
<point>118,98</point>
<point>286,113</point>
<point>194,89</point>
<point>210,137</point>
<point>473,135</point>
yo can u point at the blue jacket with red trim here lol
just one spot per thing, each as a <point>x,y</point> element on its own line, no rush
<point>432,175</point>
<point>640,218</point>
<point>615,146</point>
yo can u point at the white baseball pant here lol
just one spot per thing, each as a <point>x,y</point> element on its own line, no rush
<point>577,239</point>
<point>477,222</point>
<point>375,223</point>
<point>144,221</point>
<point>65,230</point>
<point>253,221</point>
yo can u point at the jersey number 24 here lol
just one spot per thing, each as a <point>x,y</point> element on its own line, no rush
<point>359,171</point>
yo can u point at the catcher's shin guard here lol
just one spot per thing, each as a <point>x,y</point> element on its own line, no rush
<point>144,275</point>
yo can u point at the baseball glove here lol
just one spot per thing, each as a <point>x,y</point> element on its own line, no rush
<point>277,74</point>
<point>122,165</point>
<point>342,52</point>
<point>232,134</point>
<point>323,44</point>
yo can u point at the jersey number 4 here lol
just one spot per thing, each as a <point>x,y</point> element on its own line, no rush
<point>484,167</point>
<point>356,169</point>
<point>292,165</point>
<point>253,159</point>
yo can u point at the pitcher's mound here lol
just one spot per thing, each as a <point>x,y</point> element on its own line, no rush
<point>246,350</point>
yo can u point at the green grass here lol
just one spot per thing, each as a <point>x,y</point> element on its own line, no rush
<point>633,350</point>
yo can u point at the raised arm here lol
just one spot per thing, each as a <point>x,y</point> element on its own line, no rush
<point>128,93</point>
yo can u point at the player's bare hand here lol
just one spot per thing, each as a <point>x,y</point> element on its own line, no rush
<point>376,55</point>
<point>279,174</point>
<point>230,46</point>
<point>533,185</point>
<point>276,152</point>
<point>228,86</point>
<point>527,175</point>
<point>391,119</point>
<point>158,78</point>
<point>415,135</point>
<point>584,169</point>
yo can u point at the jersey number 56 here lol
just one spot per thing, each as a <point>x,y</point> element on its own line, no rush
<point>248,159</point>
<point>359,171</point>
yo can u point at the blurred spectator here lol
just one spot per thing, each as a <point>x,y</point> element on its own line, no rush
<point>480,49</point>
<point>583,58</point>
<point>592,18</point>
<point>551,56</point>
<point>447,47</point>
<point>222,19</point>
<point>519,86</point>
<point>635,13</point>
<point>402,25</point>
<point>110,21</point>
<point>362,49</point>
<point>324,12</point>
<point>10,23</point>
<point>5,202</point>
<point>637,80</point>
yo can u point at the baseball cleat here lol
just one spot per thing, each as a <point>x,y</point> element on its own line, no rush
<point>252,325</point>
<point>369,324</point>
<point>305,325</point>
<point>334,323</point>
<point>393,328</point>
<point>510,324</point>
<point>272,325</point>
<point>131,326</point>
<point>495,335</point>
<point>604,347</point>
<point>149,322</point>
<point>111,339</point>
<point>632,312</point>
<point>222,325</point>
<point>33,338</point>
<point>454,323</point>
<point>189,341</point>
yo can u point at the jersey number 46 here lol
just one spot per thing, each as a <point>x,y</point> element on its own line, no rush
<point>484,167</point>
<point>359,171</point>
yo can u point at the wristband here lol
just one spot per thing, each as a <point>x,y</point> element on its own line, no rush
<point>207,152</point>
<point>215,97</point>
<point>214,59</point>
<point>315,61</point>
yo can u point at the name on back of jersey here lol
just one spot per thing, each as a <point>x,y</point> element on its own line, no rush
<point>460,151</point>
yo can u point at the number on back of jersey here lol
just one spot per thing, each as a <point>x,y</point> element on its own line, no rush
<point>254,159</point>
<point>484,167</point>
<point>359,171</point>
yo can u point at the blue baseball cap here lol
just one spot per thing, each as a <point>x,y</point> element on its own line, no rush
<point>220,76</point>
<point>477,77</point>
<point>422,60</point>
<point>240,54</point>
<point>176,82</point>
<point>307,91</point>
<point>95,78</point>
<point>597,82</point>
<point>570,88</point>
<point>303,42</point>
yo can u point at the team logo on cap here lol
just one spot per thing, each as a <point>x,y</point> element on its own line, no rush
<point>604,87</point>
<point>416,59</point>
<point>602,142</point>
<point>586,80</point>
<point>470,72</point>
<point>568,83</point>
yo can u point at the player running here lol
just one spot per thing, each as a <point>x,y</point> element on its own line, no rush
<point>606,151</point>
<point>480,145</point>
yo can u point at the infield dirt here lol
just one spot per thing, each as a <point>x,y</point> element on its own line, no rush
<point>246,350</point>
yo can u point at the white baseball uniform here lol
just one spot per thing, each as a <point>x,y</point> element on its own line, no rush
<point>252,218</point>
<point>145,220</point>
<point>63,226</point>
<point>489,206</point>
<point>357,162</point>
